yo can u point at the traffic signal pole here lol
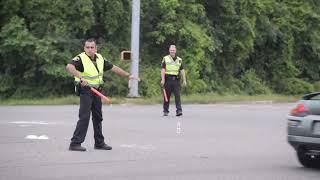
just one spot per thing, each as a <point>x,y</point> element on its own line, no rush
<point>135,32</point>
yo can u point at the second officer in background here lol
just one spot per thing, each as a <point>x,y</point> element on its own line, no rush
<point>171,71</point>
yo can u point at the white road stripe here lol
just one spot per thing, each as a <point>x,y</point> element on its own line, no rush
<point>31,122</point>
<point>135,146</point>
<point>42,137</point>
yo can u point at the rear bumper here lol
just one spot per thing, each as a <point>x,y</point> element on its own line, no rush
<point>310,143</point>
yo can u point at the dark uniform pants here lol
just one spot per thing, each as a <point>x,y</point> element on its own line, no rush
<point>172,84</point>
<point>88,103</point>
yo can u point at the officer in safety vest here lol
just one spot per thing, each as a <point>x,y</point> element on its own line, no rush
<point>171,72</point>
<point>87,69</point>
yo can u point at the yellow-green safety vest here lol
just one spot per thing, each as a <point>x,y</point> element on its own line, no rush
<point>172,67</point>
<point>90,72</point>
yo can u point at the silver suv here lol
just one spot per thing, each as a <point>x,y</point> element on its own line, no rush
<point>304,130</point>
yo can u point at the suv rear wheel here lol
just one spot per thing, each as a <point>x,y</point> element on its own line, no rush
<point>308,160</point>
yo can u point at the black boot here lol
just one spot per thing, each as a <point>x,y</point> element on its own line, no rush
<point>103,147</point>
<point>77,147</point>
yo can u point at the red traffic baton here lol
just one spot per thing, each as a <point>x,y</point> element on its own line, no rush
<point>165,95</point>
<point>103,97</point>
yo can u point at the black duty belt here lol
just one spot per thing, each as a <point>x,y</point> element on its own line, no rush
<point>172,77</point>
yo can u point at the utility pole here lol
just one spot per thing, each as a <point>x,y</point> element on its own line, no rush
<point>135,41</point>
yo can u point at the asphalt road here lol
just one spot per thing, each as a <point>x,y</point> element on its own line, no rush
<point>219,141</point>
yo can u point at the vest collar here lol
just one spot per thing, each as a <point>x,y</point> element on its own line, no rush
<point>173,58</point>
<point>94,58</point>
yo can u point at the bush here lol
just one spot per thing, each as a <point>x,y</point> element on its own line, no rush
<point>252,84</point>
<point>226,86</point>
<point>150,81</point>
<point>316,86</point>
<point>295,86</point>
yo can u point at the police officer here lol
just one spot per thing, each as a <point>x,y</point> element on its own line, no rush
<point>87,69</point>
<point>171,72</point>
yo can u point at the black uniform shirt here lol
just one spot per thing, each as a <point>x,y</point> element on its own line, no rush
<point>79,66</point>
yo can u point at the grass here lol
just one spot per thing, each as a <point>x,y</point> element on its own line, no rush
<point>42,101</point>
<point>189,99</point>
<point>215,98</point>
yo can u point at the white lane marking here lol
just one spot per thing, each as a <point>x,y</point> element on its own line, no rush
<point>30,122</point>
<point>31,137</point>
<point>135,146</point>
<point>42,137</point>
<point>178,127</point>
<point>24,125</point>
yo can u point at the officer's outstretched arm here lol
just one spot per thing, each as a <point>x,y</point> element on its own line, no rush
<point>123,73</point>
<point>120,71</point>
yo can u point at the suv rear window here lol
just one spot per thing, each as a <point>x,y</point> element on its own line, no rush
<point>317,97</point>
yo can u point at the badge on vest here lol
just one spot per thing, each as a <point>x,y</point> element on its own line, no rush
<point>76,58</point>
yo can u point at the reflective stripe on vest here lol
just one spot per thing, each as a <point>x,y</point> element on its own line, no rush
<point>90,72</point>
<point>172,67</point>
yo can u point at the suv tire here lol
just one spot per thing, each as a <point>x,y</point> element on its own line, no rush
<point>307,160</point>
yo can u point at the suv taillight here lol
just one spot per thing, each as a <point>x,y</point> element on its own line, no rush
<point>300,110</point>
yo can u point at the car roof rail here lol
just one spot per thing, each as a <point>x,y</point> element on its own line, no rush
<point>310,95</point>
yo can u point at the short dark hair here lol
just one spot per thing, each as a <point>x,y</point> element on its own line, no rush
<point>90,40</point>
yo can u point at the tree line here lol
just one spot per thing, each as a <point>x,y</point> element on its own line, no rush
<point>227,46</point>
